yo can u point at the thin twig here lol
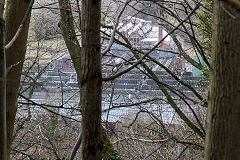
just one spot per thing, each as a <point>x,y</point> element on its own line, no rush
<point>76,146</point>
<point>142,140</point>
<point>150,51</point>
<point>42,106</point>
<point>30,157</point>
<point>155,150</point>
<point>180,155</point>
<point>115,29</point>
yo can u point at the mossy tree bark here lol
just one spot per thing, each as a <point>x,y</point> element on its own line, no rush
<point>223,136</point>
<point>91,81</point>
<point>15,56</point>
<point>68,31</point>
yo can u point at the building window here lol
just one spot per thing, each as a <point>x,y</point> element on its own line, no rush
<point>51,66</point>
<point>135,39</point>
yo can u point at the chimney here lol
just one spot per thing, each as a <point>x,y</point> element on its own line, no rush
<point>160,32</point>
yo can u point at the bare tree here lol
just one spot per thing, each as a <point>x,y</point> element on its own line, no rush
<point>140,61</point>
<point>74,49</point>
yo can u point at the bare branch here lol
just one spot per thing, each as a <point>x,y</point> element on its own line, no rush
<point>142,140</point>
<point>42,106</point>
<point>115,29</point>
<point>76,147</point>
<point>147,53</point>
<point>21,26</point>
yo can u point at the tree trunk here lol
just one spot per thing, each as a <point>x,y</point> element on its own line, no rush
<point>15,56</point>
<point>91,81</point>
<point>223,136</point>
<point>68,31</point>
<point>3,128</point>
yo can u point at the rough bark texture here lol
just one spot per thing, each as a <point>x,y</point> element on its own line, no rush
<point>68,31</point>
<point>70,38</point>
<point>91,82</point>
<point>223,137</point>
<point>15,12</point>
<point>3,128</point>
